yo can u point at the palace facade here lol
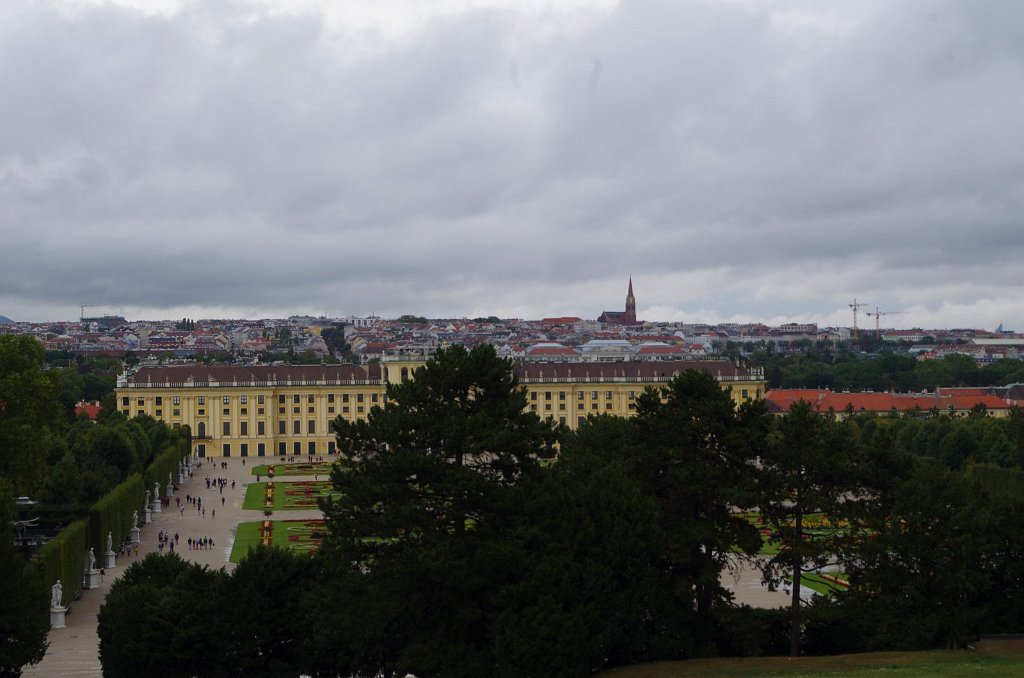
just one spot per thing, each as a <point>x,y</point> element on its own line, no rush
<point>286,410</point>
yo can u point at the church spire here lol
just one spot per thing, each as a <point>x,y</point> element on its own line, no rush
<point>630,316</point>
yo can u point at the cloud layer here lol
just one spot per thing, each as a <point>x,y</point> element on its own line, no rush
<point>741,160</point>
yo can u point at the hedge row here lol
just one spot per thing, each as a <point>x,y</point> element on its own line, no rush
<point>63,557</point>
<point>113,513</point>
<point>166,462</point>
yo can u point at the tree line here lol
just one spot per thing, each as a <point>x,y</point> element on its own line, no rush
<point>472,538</point>
<point>822,365</point>
<point>65,464</point>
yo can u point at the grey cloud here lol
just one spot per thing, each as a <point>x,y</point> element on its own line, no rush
<point>228,157</point>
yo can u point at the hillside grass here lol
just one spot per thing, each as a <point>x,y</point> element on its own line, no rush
<point>988,658</point>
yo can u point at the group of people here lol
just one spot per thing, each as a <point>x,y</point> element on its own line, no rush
<point>219,483</point>
<point>200,544</point>
<point>165,539</point>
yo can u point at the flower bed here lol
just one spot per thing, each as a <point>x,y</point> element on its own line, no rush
<point>285,496</point>
<point>302,536</point>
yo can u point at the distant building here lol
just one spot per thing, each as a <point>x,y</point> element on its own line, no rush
<point>627,317</point>
<point>953,401</point>
<point>287,410</point>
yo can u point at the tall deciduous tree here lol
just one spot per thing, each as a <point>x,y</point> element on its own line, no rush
<point>24,620</point>
<point>28,411</point>
<point>162,618</point>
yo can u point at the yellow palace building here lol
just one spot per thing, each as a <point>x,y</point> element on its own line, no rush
<point>286,410</point>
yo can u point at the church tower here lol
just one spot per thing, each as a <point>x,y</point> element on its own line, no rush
<point>630,315</point>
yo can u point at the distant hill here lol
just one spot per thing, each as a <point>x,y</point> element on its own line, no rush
<point>5,319</point>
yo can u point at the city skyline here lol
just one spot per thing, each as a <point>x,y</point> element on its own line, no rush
<point>742,161</point>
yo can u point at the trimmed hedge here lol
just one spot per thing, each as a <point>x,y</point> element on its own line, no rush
<point>113,513</point>
<point>63,557</point>
<point>164,463</point>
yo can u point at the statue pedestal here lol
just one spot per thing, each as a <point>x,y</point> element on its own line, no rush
<point>170,490</point>
<point>92,579</point>
<point>57,617</point>
<point>181,478</point>
<point>156,505</point>
<point>133,535</point>
<point>109,560</point>
<point>148,517</point>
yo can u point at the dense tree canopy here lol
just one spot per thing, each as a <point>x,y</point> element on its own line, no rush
<point>462,545</point>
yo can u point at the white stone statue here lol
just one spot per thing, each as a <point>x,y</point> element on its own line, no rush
<point>110,543</point>
<point>56,594</point>
<point>169,481</point>
<point>135,519</point>
<point>156,489</point>
<point>146,505</point>
<point>91,558</point>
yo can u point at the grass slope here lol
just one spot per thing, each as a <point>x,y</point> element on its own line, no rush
<point>989,658</point>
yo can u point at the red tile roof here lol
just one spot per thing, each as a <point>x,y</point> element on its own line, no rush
<point>824,400</point>
<point>91,409</point>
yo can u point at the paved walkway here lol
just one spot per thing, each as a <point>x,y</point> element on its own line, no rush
<point>745,583</point>
<point>74,651</point>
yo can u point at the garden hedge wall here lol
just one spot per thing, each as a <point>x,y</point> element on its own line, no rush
<point>164,463</point>
<point>113,513</point>
<point>63,557</point>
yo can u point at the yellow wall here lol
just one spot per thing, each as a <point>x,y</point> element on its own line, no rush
<point>285,410</point>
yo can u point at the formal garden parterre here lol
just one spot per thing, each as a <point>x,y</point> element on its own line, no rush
<point>286,496</point>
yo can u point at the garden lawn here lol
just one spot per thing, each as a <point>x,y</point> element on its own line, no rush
<point>284,496</point>
<point>990,658</point>
<point>301,536</point>
<point>301,469</point>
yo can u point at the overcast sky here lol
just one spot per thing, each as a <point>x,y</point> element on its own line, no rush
<point>742,160</point>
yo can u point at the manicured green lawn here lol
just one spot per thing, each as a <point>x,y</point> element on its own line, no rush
<point>287,495</point>
<point>301,536</point>
<point>820,584</point>
<point>991,658</point>
<point>294,469</point>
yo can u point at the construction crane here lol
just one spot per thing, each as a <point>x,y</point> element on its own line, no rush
<point>878,316</point>
<point>81,310</point>
<point>856,306</point>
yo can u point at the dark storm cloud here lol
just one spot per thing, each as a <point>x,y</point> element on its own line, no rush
<point>754,160</point>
